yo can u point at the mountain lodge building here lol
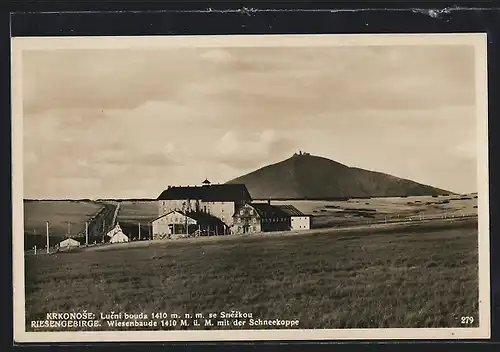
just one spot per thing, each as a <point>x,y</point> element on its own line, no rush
<point>219,200</point>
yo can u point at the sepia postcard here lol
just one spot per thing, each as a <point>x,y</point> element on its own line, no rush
<point>271,187</point>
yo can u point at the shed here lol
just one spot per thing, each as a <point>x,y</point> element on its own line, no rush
<point>119,237</point>
<point>298,220</point>
<point>69,243</point>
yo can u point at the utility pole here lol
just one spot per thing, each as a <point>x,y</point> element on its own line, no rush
<point>48,242</point>
<point>103,229</point>
<point>86,233</point>
<point>149,229</point>
<point>139,231</point>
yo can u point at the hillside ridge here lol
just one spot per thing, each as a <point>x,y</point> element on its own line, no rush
<point>305,176</point>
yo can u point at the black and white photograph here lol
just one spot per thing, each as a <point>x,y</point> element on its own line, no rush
<point>250,187</point>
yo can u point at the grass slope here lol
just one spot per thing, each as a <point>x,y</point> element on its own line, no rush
<point>419,276</point>
<point>133,212</point>
<point>58,213</point>
<point>313,177</point>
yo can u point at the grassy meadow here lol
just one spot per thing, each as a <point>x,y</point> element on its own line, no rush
<point>133,212</point>
<point>419,275</point>
<point>58,213</point>
<point>332,213</point>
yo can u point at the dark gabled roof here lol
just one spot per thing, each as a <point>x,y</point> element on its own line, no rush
<point>204,218</point>
<point>170,212</point>
<point>198,216</point>
<point>266,210</point>
<point>291,210</point>
<point>209,193</point>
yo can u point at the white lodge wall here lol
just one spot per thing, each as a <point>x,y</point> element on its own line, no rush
<point>221,210</point>
<point>300,223</point>
<point>166,206</point>
<point>161,225</point>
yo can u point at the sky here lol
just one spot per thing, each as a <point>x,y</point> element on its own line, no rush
<point>126,123</point>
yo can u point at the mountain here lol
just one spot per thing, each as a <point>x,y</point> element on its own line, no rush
<point>305,176</point>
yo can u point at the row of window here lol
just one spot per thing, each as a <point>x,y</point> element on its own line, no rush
<point>274,220</point>
<point>241,227</point>
<point>265,220</point>
<point>239,220</point>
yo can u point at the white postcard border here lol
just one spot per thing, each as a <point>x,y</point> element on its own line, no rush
<point>478,40</point>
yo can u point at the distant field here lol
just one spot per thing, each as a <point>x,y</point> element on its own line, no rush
<point>58,214</point>
<point>419,276</point>
<point>331,213</point>
<point>134,212</point>
<point>138,211</point>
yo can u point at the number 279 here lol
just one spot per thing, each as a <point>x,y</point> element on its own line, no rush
<point>467,320</point>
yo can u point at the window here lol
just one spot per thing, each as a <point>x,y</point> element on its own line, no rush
<point>254,220</point>
<point>254,228</point>
<point>251,211</point>
<point>242,212</point>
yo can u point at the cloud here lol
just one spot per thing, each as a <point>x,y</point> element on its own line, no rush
<point>344,78</point>
<point>241,150</point>
<point>107,79</point>
<point>169,148</point>
<point>218,56</point>
<point>183,114</point>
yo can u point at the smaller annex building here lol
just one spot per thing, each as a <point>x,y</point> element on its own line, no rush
<point>259,217</point>
<point>68,243</point>
<point>178,223</point>
<point>298,220</point>
<point>116,235</point>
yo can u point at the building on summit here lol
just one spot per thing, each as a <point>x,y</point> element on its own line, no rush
<point>218,200</point>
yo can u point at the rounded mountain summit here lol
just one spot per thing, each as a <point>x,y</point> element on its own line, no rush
<point>305,176</point>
